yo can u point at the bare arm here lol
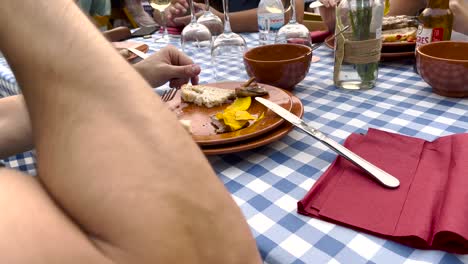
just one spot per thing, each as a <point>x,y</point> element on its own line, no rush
<point>397,7</point>
<point>110,153</point>
<point>242,21</point>
<point>15,126</point>
<point>15,135</point>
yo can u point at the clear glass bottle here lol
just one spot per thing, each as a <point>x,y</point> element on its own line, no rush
<point>357,50</point>
<point>270,16</point>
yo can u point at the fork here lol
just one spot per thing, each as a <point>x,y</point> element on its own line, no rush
<point>169,94</point>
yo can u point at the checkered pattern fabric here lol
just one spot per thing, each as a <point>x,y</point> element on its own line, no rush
<point>267,182</point>
<point>8,85</point>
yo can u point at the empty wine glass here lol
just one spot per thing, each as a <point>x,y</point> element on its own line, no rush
<point>211,21</point>
<point>195,38</point>
<point>227,53</point>
<point>293,32</point>
<point>161,6</point>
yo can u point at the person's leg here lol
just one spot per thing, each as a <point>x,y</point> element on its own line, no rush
<point>139,14</point>
<point>109,151</point>
<point>34,230</point>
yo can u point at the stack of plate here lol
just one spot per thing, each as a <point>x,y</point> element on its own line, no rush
<point>268,129</point>
<point>390,50</point>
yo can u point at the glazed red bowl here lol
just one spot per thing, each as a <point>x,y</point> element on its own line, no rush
<point>444,66</point>
<point>279,65</point>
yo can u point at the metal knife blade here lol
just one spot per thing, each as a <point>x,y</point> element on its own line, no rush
<point>381,176</point>
<point>138,53</point>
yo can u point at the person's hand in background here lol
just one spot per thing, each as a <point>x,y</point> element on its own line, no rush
<point>177,8</point>
<point>179,14</point>
<point>168,64</point>
<point>460,15</point>
<point>328,13</point>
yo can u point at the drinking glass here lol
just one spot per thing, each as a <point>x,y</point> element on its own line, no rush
<point>196,38</point>
<point>293,32</point>
<point>211,21</point>
<point>227,53</point>
<point>161,6</point>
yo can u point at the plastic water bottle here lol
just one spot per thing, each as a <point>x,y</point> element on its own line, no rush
<point>270,15</point>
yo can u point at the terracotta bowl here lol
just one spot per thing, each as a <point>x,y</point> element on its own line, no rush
<point>444,66</point>
<point>280,65</point>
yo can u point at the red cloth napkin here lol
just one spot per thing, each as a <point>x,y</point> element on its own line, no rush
<point>173,30</point>
<point>319,36</point>
<point>428,210</point>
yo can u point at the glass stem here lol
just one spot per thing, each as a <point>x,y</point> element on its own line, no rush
<point>293,7</point>
<point>227,24</point>
<point>165,33</point>
<point>207,5</point>
<point>192,13</point>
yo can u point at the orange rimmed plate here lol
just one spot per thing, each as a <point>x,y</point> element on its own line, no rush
<point>203,131</point>
<point>274,135</point>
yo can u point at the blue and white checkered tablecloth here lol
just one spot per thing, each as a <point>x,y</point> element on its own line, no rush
<point>8,85</point>
<point>267,182</point>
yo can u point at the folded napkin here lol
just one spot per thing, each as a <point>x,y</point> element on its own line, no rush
<point>319,36</point>
<point>173,30</point>
<point>428,210</point>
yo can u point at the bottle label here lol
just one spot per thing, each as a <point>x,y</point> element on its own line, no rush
<point>437,34</point>
<point>428,35</point>
<point>276,21</point>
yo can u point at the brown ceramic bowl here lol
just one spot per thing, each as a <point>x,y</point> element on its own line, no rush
<point>444,66</point>
<point>279,65</point>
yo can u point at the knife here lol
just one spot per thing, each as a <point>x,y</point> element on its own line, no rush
<point>381,176</point>
<point>138,53</point>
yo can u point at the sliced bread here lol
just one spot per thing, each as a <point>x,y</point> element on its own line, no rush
<point>208,96</point>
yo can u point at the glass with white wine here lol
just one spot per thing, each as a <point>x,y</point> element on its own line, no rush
<point>161,6</point>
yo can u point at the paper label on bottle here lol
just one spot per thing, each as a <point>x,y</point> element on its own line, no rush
<point>428,35</point>
<point>423,36</point>
<point>276,21</point>
<point>437,34</point>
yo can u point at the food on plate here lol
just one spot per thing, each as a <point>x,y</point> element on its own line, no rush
<point>125,53</point>
<point>204,95</point>
<point>235,116</point>
<point>187,124</point>
<point>208,96</point>
<point>251,88</point>
<point>399,28</point>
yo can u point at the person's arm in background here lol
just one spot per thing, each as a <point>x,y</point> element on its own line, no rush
<point>460,13</point>
<point>406,7</point>
<point>241,21</point>
<point>120,180</point>
<point>397,7</point>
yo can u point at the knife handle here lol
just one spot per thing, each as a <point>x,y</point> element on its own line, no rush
<point>383,177</point>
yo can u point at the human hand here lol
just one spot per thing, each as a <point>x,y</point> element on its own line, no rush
<point>328,3</point>
<point>168,64</point>
<point>185,20</point>
<point>177,8</point>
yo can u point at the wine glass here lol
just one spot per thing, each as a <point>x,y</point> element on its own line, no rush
<point>293,32</point>
<point>195,38</point>
<point>211,21</point>
<point>161,6</point>
<point>227,52</point>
